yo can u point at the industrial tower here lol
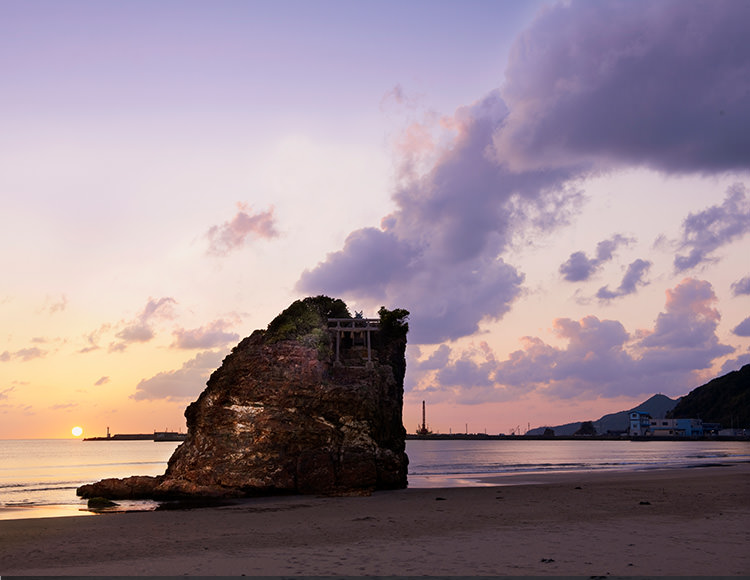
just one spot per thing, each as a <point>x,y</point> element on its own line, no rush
<point>423,430</point>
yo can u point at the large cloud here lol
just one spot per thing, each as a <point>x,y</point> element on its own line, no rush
<point>600,356</point>
<point>590,86</point>
<point>661,84</point>
<point>438,255</point>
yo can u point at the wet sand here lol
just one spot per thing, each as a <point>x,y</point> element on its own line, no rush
<point>671,522</point>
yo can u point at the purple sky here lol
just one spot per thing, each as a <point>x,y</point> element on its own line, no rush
<point>557,192</point>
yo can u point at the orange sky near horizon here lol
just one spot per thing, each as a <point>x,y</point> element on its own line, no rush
<point>550,188</point>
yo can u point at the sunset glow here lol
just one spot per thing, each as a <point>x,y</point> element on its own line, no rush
<point>77,431</point>
<point>558,192</point>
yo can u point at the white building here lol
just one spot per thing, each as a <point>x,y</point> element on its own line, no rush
<point>643,425</point>
<point>640,424</point>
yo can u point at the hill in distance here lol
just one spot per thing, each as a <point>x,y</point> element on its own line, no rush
<point>724,400</point>
<point>657,406</point>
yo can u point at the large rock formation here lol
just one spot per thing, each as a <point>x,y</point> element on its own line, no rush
<point>292,411</point>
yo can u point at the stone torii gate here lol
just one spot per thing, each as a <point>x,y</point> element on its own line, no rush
<point>354,325</point>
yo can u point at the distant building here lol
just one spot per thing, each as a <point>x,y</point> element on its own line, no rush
<point>640,424</point>
<point>643,425</point>
<point>711,428</point>
<point>689,427</point>
<point>676,428</point>
<point>731,433</point>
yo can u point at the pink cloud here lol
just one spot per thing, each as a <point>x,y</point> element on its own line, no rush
<point>600,357</point>
<point>180,384</point>
<point>92,339</point>
<point>232,234</point>
<point>413,147</point>
<point>141,329</point>
<point>24,354</point>
<point>140,332</point>
<point>52,306</point>
<point>400,97</point>
<point>690,316</point>
<point>208,336</point>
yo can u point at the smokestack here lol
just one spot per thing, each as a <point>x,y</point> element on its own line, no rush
<point>422,429</point>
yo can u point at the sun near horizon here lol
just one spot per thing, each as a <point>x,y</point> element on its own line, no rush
<point>77,431</point>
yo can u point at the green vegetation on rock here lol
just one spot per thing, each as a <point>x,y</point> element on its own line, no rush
<point>306,321</point>
<point>391,339</point>
<point>393,323</point>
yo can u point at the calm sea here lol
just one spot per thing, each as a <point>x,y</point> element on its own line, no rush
<point>456,463</point>
<point>38,478</point>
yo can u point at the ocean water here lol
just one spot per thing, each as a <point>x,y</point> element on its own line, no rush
<point>450,463</point>
<point>38,478</point>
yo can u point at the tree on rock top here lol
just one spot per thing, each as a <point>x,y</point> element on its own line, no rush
<point>391,340</point>
<point>304,316</point>
<point>393,323</point>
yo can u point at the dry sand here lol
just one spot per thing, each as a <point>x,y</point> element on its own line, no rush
<point>672,522</point>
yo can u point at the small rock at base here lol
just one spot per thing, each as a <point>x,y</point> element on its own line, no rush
<point>101,502</point>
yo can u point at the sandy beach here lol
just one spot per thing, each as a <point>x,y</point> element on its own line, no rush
<point>671,522</point>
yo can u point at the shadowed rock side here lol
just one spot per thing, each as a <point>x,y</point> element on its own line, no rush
<point>280,416</point>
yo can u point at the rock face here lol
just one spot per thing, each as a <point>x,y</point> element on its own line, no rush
<point>282,415</point>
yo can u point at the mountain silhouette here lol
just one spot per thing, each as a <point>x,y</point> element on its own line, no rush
<point>724,400</point>
<point>657,406</point>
